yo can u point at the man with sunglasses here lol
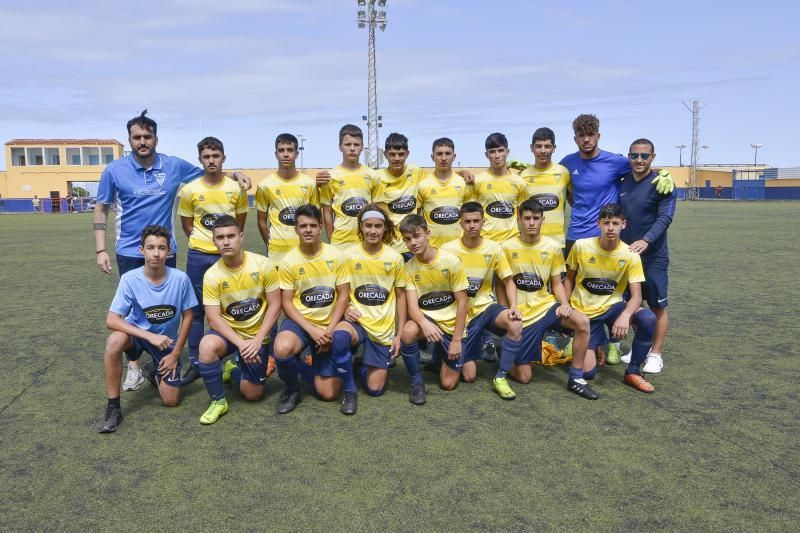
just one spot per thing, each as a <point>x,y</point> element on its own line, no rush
<point>649,214</point>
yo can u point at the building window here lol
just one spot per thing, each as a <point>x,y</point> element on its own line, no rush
<point>73,156</point>
<point>35,156</point>
<point>106,155</point>
<point>91,156</point>
<point>51,156</point>
<point>18,157</point>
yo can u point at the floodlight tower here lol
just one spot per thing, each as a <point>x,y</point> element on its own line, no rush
<point>301,148</point>
<point>692,192</point>
<point>680,148</point>
<point>755,147</point>
<point>371,18</point>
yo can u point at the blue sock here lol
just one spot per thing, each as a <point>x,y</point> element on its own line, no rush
<point>306,372</point>
<point>287,371</point>
<point>575,373</point>
<point>507,356</point>
<point>343,359</point>
<point>589,374</point>
<point>363,371</point>
<point>643,340</point>
<point>410,354</point>
<point>212,377</point>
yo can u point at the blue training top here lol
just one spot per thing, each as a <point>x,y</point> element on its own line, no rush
<point>143,196</point>
<point>155,308</point>
<point>595,183</point>
<point>649,215</point>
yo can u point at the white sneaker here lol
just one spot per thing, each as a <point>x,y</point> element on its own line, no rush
<point>133,379</point>
<point>626,358</point>
<point>653,364</point>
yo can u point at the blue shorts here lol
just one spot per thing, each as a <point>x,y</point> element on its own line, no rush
<point>375,355</point>
<point>141,345</point>
<point>597,325</point>
<point>197,263</point>
<point>530,348</point>
<point>323,363</point>
<point>126,263</point>
<point>473,346</point>
<point>255,373</point>
<point>656,280</point>
<point>440,349</point>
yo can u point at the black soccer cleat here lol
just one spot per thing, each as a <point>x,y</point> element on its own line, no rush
<point>582,389</point>
<point>489,352</point>
<point>288,401</point>
<point>417,395</point>
<point>192,373</point>
<point>349,403</point>
<point>111,419</point>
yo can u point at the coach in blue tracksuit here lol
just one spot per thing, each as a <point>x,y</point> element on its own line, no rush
<point>649,215</point>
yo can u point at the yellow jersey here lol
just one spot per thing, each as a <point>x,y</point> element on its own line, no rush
<point>532,266</point>
<point>347,192</point>
<point>279,198</point>
<point>241,293</point>
<point>435,284</point>
<point>314,280</point>
<point>440,202</point>
<point>373,279</point>
<point>549,187</point>
<point>205,203</point>
<point>399,194</point>
<point>601,277</point>
<point>480,265</point>
<point>500,196</point>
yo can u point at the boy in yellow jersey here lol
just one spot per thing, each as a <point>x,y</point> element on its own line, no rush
<point>201,203</point>
<point>441,194</point>
<point>279,195</point>
<point>482,260</point>
<point>436,293</point>
<point>537,265</point>
<point>547,183</point>
<point>315,287</point>
<point>240,293</point>
<point>377,306</point>
<point>346,189</point>
<point>599,271</point>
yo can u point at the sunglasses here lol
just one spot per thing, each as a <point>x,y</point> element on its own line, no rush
<point>644,157</point>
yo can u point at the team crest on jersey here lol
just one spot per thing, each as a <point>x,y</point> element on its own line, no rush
<point>229,195</point>
<point>622,263</point>
<point>225,285</point>
<point>514,255</point>
<point>301,271</point>
<point>489,186</point>
<point>544,256</point>
<point>387,265</point>
<point>417,277</point>
<point>487,258</point>
<point>341,182</point>
<point>592,260</point>
<point>358,266</point>
<point>458,188</point>
<point>330,265</point>
<point>254,275</point>
<point>277,192</point>
<point>160,178</point>
<point>445,272</point>
<point>557,177</point>
<point>201,198</point>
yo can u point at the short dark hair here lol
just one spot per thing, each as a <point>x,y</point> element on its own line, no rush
<point>225,221</point>
<point>396,141</point>
<point>586,124</point>
<point>156,231</point>
<point>352,130</point>
<point>611,211</point>
<point>644,141</point>
<point>310,211</point>
<point>389,229</point>
<point>531,205</point>
<point>443,141</point>
<point>496,140</point>
<point>286,138</point>
<point>543,134</point>
<point>210,143</point>
<point>143,122</point>
<point>470,207</point>
<point>412,222</point>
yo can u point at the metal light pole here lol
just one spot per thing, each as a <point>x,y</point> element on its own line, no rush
<point>755,147</point>
<point>680,148</point>
<point>301,148</point>
<point>369,17</point>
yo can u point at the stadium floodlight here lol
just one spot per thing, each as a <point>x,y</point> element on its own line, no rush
<point>755,147</point>
<point>372,18</point>
<point>362,2</point>
<point>680,148</point>
<point>382,3</point>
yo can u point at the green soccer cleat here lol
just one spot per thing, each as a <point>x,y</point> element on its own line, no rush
<point>214,411</point>
<point>227,371</point>
<point>503,389</point>
<point>613,357</point>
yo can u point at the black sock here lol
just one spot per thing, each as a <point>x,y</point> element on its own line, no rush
<point>114,402</point>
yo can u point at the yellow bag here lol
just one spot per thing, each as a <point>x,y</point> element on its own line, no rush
<point>552,356</point>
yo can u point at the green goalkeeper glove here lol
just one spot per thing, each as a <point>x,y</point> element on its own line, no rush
<point>663,182</point>
<point>517,165</point>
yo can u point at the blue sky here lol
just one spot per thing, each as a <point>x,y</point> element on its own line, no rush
<point>246,70</point>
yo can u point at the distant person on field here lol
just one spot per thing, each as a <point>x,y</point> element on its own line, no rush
<point>718,191</point>
<point>37,204</point>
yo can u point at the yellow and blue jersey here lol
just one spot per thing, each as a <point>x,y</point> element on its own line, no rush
<point>480,265</point>
<point>279,198</point>
<point>549,187</point>
<point>399,195</point>
<point>205,203</point>
<point>347,192</point>
<point>435,284</point>
<point>440,201</point>
<point>532,266</point>
<point>500,196</point>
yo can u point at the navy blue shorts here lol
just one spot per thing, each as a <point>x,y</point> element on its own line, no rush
<point>375,355</point>
<point>126,263</point>
<point>140,346</point>
<point>656,281</point>
<point>197,263</point>
<point>598,334</point>
<point>530,348</point>
<point>255,373</point>
<point>323,363</point>
<point>473,345</point>
<point>440,350</point>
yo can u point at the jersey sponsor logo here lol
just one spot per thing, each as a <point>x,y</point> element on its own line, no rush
<point>371,295</point>
<point>286,216</point>
<point>207,221</point>
<point>473,284</point>
<point>159,314</point>
<point>244,309</point>
<point>445,215</point>
<point>403,205</point>
<point>600,286</point>
<point>546,200</point>
<point>352,206</point>
<point>434,301</point>
<point>317,297</point>
<point>500,209</point>
<point>528,281</point>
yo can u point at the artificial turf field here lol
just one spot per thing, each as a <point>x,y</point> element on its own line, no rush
<point>714,448</point>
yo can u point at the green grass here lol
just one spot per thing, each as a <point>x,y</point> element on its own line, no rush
<point>713,448</point>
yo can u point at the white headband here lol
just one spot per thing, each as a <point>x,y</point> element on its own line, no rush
<point>373,214</point>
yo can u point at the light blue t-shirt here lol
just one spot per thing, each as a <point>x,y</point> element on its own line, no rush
<point>155,308</point>
<point>143,196</point>
<point>595,183</point>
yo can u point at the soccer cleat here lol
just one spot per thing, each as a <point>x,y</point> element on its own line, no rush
<point>288,401</point>
<point>489,352</point>
<point>627,357</point>
<point>638,382</point>
<point>417,395</point>
<point>503,388</point>
<point>310,360</point>
<point>227,370</point>
<point>582,389</point>
<point>271,365</point>
<point>133,378</point>
<point>600,356</point>
<point>568,349</point>
<point>349,403</point>
<point>653,364</point>
<point>192,373</point>
<point>214,411</point>
<point>111,419</point>
<point>613,357</point>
